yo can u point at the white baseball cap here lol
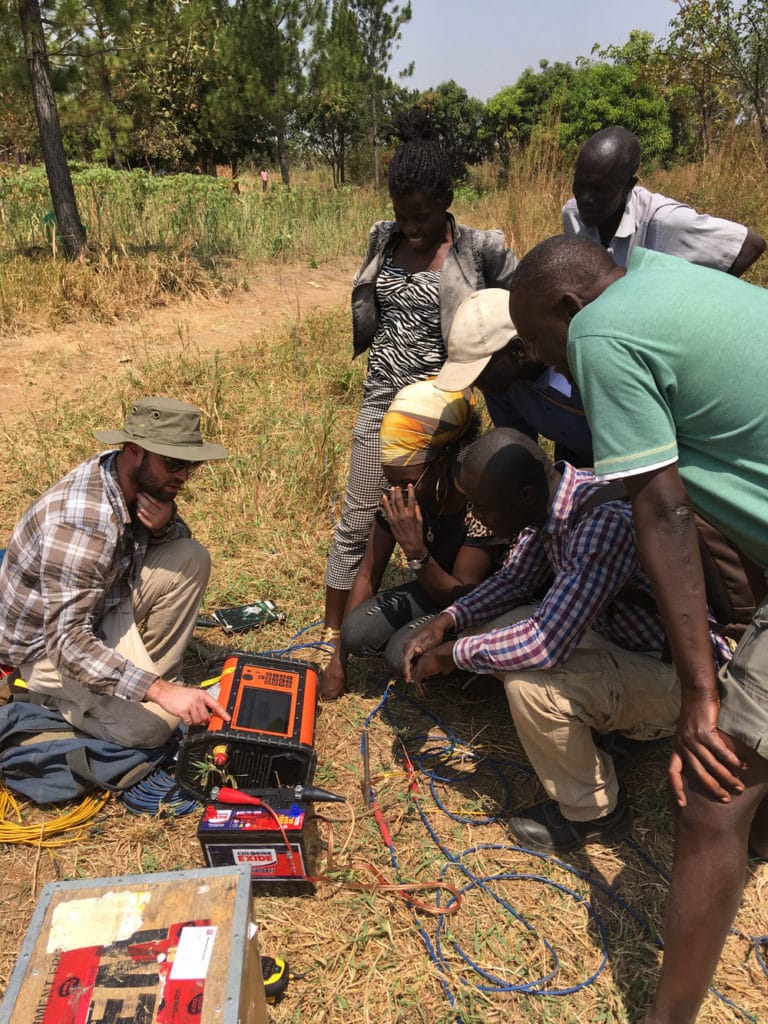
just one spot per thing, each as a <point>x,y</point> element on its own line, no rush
<point>481,326</point>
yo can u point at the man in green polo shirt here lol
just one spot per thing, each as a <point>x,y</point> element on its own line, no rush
<point>670,361</point>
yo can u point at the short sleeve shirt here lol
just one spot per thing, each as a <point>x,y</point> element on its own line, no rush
<point>671,362</point>
<point>654,221</point>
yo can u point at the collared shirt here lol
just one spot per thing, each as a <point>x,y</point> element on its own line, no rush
<point>671,359</point>
<point>591,569</point>
<point>549,406</point>
<point>74,555</point>
<point>657,222</point>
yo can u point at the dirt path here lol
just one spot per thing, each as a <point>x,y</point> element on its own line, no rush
<point>35,368</point>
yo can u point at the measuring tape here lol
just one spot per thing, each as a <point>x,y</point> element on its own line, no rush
<point>275,974</point>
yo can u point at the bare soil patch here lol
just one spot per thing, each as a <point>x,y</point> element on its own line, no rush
<point>37,367</point>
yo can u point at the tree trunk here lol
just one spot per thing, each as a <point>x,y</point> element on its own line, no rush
<point>59,179</point>
<point>375,126</point>
<point>282,156</point>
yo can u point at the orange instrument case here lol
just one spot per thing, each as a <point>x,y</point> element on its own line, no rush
<point>268,742</point>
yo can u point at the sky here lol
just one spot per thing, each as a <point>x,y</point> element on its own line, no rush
<point>484,45</point>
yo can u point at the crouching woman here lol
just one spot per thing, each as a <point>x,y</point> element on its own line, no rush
<point>423,435</point>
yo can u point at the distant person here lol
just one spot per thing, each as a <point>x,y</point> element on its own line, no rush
<point>609,207</point>
<point>484,350</point>
<point>417,270</point>
<point>585,659</point>
<point>423,434</point>
<point>264,175</point>
<point>670,359</point>
<point>101,583</point>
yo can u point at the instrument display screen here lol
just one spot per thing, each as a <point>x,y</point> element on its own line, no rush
<point>264,710</point>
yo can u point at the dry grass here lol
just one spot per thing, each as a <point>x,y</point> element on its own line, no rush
<point>188,237</point>
<point>284,405</point>
<point>38,292</point>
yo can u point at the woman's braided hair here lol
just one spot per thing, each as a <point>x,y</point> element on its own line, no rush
<point>419,163</point>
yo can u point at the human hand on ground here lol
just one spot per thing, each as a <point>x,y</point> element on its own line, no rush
<point>703,752</point>
<point>334,680</point>
<point>437,662</point>
<point>152,513</point>
<point>423,640</point>
<point>405,520</point>
<point>190,704</point>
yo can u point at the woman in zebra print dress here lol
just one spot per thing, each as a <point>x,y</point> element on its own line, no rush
<point>417,270</point>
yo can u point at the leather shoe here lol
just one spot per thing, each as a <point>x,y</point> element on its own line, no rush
<point>542,827</point>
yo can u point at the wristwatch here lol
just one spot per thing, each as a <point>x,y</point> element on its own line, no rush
<point>418,563</point>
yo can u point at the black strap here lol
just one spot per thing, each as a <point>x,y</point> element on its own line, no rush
<point>79,764</point>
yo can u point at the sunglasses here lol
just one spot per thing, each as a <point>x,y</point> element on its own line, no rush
<point>178,465</point>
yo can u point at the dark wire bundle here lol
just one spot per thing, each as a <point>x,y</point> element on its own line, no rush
<point>159,793</point>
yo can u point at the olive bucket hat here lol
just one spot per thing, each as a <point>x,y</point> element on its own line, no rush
<point>166,427</point>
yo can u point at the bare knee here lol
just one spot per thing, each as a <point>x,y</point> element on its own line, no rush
<point>709,823</point>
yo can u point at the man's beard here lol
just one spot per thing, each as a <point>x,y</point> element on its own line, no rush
<point>145,480</point>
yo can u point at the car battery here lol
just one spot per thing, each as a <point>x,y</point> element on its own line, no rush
<point>170,948</point>
<point>242,834</point>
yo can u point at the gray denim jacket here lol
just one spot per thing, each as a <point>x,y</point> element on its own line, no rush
<point>477,259</point>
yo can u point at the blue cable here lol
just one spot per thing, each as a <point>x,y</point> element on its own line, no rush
<point>158,792</point>
<point>277,652</point>
<point>442,753</point>
<point>305,629</point>
<point>490,983</point>
<point>318,645</point>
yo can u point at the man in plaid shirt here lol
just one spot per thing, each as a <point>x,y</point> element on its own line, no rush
<point>587,657</point>
<point>101,553</point>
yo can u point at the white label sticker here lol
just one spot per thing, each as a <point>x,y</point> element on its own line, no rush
<point>97,920</point>
<point>193,954</point>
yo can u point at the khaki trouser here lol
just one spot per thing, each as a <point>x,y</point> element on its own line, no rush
<point>165,602</point>
<point>600,686</point>
<point>744,686</point>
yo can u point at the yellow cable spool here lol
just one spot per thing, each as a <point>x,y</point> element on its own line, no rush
<point>44,834</point>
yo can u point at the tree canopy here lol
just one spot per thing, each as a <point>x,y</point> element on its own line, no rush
<point>187,84</point>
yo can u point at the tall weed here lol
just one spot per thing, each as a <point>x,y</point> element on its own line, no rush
<point>150,236</point>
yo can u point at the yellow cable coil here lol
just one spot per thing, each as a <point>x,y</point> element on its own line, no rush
<point>41,835</point>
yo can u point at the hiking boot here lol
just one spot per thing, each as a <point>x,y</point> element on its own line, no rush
<point>542,827</point>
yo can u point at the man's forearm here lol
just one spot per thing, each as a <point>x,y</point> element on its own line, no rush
<point>668,546</point>
<point>487,601</point>
<point>752,248</point>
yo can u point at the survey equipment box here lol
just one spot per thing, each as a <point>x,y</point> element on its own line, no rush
<point>173,948</point>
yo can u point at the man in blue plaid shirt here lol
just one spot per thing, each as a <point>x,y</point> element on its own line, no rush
<point>587,658</point>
